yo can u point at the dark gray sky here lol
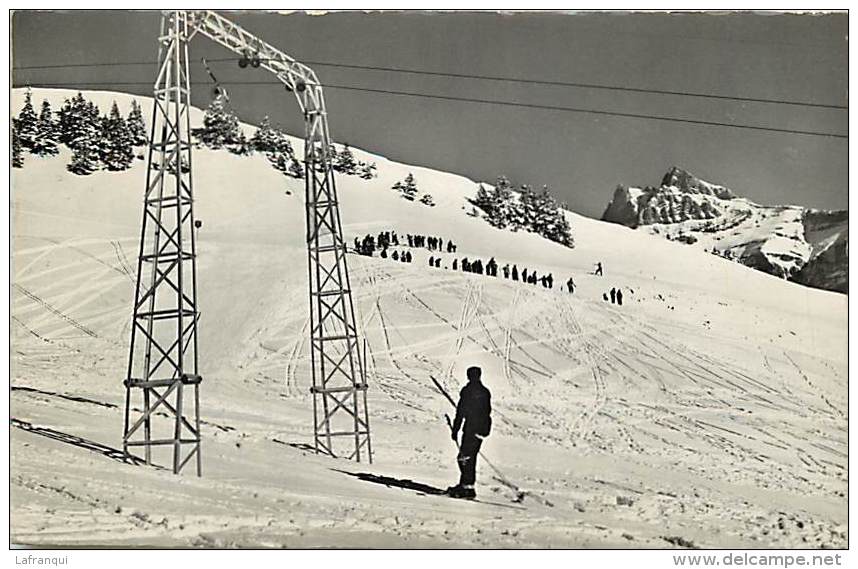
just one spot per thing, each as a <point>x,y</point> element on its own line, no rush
<point>581,157</point>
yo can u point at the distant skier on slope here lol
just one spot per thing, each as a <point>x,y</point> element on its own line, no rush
<point>474,410</point>
<point>598,271</point>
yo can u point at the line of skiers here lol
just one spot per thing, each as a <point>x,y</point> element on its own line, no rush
<point>403,256</point>
<point>431,243</point>
<point>386,239</point>
<point>491,269</point>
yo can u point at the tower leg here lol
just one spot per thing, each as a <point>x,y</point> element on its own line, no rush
<point>341,419</point>
<point>162,357</point>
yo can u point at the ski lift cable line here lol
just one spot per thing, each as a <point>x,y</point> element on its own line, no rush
<point>500,103</point>
<point>544,82</point>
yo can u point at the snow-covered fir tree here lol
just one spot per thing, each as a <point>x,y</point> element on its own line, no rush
<point>84,158</point>
<point>506,207</point>
<point>280,161</point>
<point>45,143</point>
<point>116,146</point>
<point>543,208</point>
<point>407,188</point>
<point>500,205</point>
<point>537,212</point>
<point>268,139</point>
<point>241,146</point>
<point>84,134</point>
<point>78,121</point>
<point>17,157</point>
<point>527,208</point>
<point>69,116</point>
<point>367,170</point>
<point>136,125</point>
<point>550,221</point>
<point>483,199</point>
<point>28,123</point>
<point>426,199</point>
<point>220,126</point>
<point>345,161</point>
<point>296,170</point>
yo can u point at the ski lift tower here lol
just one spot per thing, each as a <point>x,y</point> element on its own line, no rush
<point>164,361</point>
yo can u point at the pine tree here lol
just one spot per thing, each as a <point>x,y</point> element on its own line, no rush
<point>504,210</point>
<point>367,170</point>
<point>280,162</point>
<point>220,126</point>
<point>265,139</point>
<point>28,123</point>
<point>426,199</point>
<point>64,120</point>
<point>45,143</point>
<point>72,117</point>
<point>241,146</point>
<point>544,211</point>
<point>527,208</point>
<point>345,161</point>
<point>117,147</point>
<point>408,188</point>
<point>295,169</point>
<point>136,125</point>
<point>85,137</point>
<point>499,205</point>
<point>17,157</point>
<point>483,200</point>
<point>85,157</point>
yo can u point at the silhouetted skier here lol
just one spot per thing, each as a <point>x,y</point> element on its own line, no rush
<point>570,285</point>
<point>384,253</point>
<point>506,271</point>
<point>619,297</point>
<point>455,264</point>
<point>514,273</point>
<point>613,296</point>
<point>524,276</point>
<point>395,256</point>
<point>598,271</point>
<point>475,411</point>
<point>550,280</point>
<point>437,263</point>
<point>431,261</point>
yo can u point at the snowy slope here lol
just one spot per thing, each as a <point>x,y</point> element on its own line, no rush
<point>714,399</point>
<point>779,240</point>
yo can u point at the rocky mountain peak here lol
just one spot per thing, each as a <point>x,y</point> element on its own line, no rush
<point>687,182</point>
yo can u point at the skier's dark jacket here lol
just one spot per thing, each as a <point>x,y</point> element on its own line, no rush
<point>475,409</point>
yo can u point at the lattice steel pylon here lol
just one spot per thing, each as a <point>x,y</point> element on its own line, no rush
<point>338,376</point>
<point>163,358</point>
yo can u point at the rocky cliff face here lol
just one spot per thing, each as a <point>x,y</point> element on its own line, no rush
<point>791,242</point>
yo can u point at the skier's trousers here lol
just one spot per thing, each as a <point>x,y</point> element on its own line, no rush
<point>467,458</point>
